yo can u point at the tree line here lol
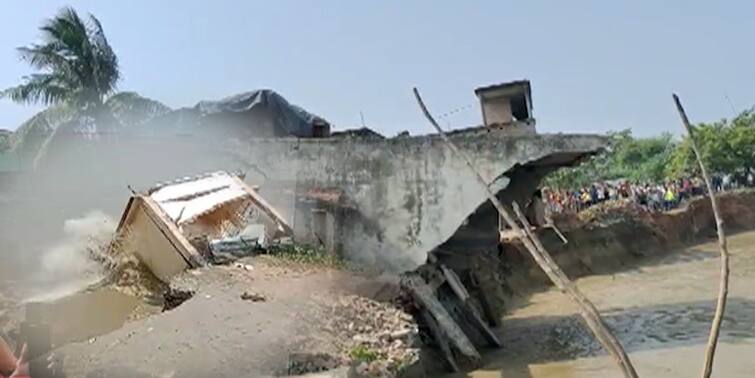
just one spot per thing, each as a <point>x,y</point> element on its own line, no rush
<point>727,147</point>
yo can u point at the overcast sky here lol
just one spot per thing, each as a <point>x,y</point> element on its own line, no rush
<point>594,66</point>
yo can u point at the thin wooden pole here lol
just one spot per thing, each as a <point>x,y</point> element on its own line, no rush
<point>723,283</point>
<point>587,310</point>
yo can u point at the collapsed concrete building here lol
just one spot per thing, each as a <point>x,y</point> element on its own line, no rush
<point>396,199</point>
<point>419,206</point>
<point>400,199</point>
<point>389,202</point>
<point>385,201</point>
<point>381,200</point>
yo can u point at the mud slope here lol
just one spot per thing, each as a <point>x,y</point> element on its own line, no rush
<point>608,240</point>
<point>217,332</point>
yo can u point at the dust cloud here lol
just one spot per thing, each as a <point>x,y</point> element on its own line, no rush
<point>75,261</point>
<point>48,230</point>
<point>77,173</point>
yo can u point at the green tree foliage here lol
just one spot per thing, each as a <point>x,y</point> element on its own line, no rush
<point>76,64</point>
<point>627,157</point>
<point>726,147</point>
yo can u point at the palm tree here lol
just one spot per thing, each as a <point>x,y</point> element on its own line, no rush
<point>77,65</point>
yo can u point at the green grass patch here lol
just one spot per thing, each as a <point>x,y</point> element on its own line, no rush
<point>307,255</point>
<point>363,354</point>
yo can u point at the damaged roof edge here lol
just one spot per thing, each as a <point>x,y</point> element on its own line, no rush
<point>268,209</point>
<point>497,133</point>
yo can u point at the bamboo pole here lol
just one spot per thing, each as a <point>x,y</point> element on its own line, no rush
<point>587,310</point>
<point>723,284</point>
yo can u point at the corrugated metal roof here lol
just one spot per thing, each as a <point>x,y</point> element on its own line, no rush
<point>186,200</point>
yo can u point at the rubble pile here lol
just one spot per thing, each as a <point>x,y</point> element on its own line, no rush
<point>252,296</point>
<point>380,339</point>
<point>303,363</point>
<point>126,273</point>
<point>376,339</point>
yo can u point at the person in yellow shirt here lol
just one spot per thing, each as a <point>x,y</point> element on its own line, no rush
<point>585,197</point>
<point>669,198</point>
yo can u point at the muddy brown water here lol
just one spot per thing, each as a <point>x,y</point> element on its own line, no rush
<point>87,314</point>
<point>661,311</point>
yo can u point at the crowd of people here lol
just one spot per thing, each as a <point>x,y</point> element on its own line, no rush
<point>653,196</point>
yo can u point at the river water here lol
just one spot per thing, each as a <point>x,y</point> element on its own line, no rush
<point>660,310</point>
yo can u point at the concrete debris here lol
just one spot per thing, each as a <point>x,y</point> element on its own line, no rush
<point>243,244</point>
<point>246,267</point>
<point>128,275</point>
<point>175,297</point>
<point>452,320</point>
<point>379,337</point>
<point>302,363</point>
<point>443,328</point>
<point>252,296</point>
<point>373,339</point>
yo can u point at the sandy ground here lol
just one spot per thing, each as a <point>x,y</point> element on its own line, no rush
<point>218,334</point>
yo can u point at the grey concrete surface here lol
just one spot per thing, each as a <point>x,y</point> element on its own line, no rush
<point>405,195</point>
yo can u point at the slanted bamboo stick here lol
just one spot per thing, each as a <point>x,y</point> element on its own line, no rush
<point>587,310</point>
<point>723,283</point>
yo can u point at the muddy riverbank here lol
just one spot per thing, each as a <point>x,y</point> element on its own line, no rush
<point>661,310</point>
<point>656,294</point>
<point>611,239</point>
<point>653,276</point>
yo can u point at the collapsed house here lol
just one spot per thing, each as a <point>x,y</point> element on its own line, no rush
<point>398,198</point>
<point>397,203</point>
<point>380,201</point>
<point>182,224</point>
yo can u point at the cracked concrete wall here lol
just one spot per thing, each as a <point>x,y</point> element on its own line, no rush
<point>410,194</point>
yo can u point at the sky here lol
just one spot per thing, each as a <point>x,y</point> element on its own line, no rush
<point>595,66</point>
